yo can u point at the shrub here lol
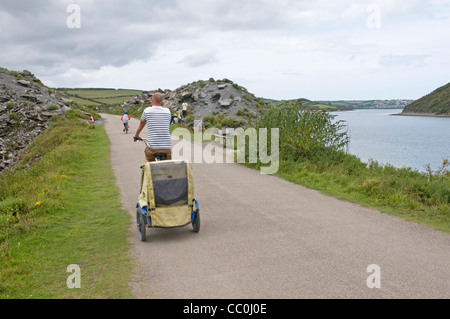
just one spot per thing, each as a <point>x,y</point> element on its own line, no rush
<point>14,116</point>
<point>52,107</point>
<point>303,133</point>
<point>247,97</point>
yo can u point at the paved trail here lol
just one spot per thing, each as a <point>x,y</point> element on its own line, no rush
<point>263,237</point>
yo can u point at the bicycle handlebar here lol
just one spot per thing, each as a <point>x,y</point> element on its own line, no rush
<point>140,139</point>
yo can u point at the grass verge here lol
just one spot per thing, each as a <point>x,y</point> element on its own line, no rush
<point>64,209</point>
<point>404,192</point>
<point>310,153</point>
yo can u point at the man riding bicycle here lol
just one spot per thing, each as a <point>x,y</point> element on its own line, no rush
<point>157,118</point>
<point>125,119</point>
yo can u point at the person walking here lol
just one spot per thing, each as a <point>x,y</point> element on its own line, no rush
<point>184,109</point>
<point>157,119</point>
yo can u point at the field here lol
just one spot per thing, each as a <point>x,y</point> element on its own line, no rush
<point>98,97</point>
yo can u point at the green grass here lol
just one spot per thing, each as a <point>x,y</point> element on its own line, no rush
<point>402,192</point>
<point>102,93</point>
<point>311,155</point>
<point>112,100</point>
<point>65,209</point>
<point>84,102</point>
<point>99,97</point>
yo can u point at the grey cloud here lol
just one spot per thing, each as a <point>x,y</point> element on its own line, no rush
<point>200,59</point>
<point>118,32</point>
<point>35,29</point>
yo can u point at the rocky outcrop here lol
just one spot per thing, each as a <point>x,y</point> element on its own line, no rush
<point>207,98</point>
<point>26,109</point>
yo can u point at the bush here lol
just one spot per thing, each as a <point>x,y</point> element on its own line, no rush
<point>52,107</point>
<point>247,97</point>
<point>303,133</point>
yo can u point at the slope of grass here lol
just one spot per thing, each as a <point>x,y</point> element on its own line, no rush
<point>65,209</point>
<point>437,102</point>
<point>99,97</point>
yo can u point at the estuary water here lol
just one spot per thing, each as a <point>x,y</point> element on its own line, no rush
<point>401,141</point>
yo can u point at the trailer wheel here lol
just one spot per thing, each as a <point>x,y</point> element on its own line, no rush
<point>141,227</point>
<point>196,221</point>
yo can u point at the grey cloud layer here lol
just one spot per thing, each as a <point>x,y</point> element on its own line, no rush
<point>119,32</point>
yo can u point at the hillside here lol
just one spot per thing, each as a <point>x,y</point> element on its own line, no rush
<point>361,104</point>
<point>26,110</point>
<point>98,97</point>
<point>206,99</point>
<point>435,103</point>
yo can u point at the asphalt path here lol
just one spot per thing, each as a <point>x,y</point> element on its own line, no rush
<point>262,237</point>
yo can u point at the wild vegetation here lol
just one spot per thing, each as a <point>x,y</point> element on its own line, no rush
<point>437,102</point>
<point>60,206</point>
<point>312,154</point>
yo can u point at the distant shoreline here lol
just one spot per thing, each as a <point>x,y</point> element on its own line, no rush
<point>422,114</point>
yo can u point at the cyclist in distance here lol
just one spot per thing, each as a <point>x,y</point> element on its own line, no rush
<point>125,119</point>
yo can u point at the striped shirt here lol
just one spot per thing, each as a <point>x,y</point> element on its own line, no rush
<point>158,123</point>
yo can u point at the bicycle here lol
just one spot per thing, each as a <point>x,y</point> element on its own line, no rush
<point>159,208</point>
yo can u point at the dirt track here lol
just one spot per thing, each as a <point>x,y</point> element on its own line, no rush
<point>263,237</point>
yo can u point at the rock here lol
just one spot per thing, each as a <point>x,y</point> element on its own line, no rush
<point>4,118</point>
<point>65,108</point>
<point>21,120</point>
<point>186,96</point>
<point>67,101</point>
<point>24,83</point>
<point>226,103</point>
<point>27,73</point>
<point>216,97</point>
<point>31,98</point>
<point>209,98</point>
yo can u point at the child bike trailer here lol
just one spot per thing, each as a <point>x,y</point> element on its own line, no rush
<point>167,197</point>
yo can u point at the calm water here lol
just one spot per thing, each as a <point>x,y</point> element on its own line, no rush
<point>402,141</point>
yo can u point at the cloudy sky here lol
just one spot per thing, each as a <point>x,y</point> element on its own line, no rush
<point>282,49</point>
